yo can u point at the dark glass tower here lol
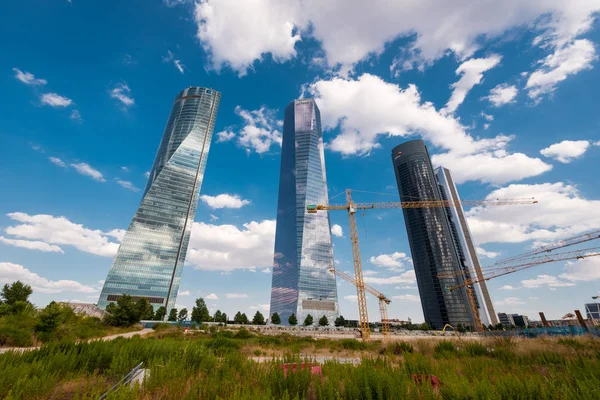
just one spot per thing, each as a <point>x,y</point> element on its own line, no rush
<point>302,283</point>
<point>151,255</point>
<point>430,237</point>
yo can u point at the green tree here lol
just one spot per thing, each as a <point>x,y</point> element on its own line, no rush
<point>308,321</point>
<point>340,321</point>
<point>275,319</point>
<point>200,312</point>
<point>292,320</point>
<point>237,318</point>
<point>245,319</point>
<point>173,314</point>
<point>258,319</point>
<point>224,318</point>
<point>50,320</point>
<point>183,314</point>
<point>14,299</point>
<point>145,309</point>
<point>124,312</point>
<point>323,321</point>
<point>461,328</point>
<point>218,315</point>
<point>160,314</point>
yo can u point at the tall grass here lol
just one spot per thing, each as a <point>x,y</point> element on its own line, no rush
<point>213,366</point>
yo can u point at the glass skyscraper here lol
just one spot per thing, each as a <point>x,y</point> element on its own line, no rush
<point>150,259</point>
<point>432,244</point>
<point>302,283</point>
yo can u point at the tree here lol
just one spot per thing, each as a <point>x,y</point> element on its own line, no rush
<point>224,318</point>
<point>461,328</point>
<point>292,320</point>
<point>275,319</point>
<point>340,321</point>
<point>173,314</point>
<point>258,319</point>
<point>145,310</point>
<point>245,319</point>
<point>14,299</point>
<point>308,321</point>
<point>183,314</point>
<point>237,318</point>
<point>125,312</point>
<point>218,315</point>
<point>323,321</point>
<point>200,312</point>
<point>160,314</point>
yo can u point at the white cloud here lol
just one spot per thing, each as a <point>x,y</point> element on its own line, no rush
<point>260,307</point>
<point>184,293</point>
<point>336,230</point>
<point>393,261</point>
<point>369,272</point>
<point>75,116</point>
<point>213,217</point>
<point>487,117</point>
<point>545,280</point>
<point>28,78</point>
<point>61,231</point>
<point>472,73</point>
<point>596,143</point>
<point>225,136</point>
<point>32,245</point>
<point>88,170</point>
<point>57,161</point>
<point>236,295</point>
<point>502,94</point>
<point>351,297</point>
<point>405,277</point>
<point>118,234</point>
<point>224,201</point>
<point>125,169</point>
<point>260,131</point>
<point>127,185</point>
<point>179,65</point>
<point>122,93</point>
<point>556,67</point>
<point>507,287</point>
<point>407,297</point>
<point>239,33</point>
<point>10,273</point>
<point>561,212</point>
<point>212,296</point>
<point>566,151</point>
<point>587,269</point>
<point>55,100</point>
<point>366,108</point>
<point>510,301</point>
<point>170,57</point>
<point>487,254</point>
<point>147,174</point>
<point>226,247</point>
<point>266,270</point>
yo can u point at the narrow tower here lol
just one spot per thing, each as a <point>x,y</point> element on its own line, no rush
<point>431,242</point>
<point>302,283</point>
<point>150,259</point>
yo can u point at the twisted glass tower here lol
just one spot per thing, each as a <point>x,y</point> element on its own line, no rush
<point>150,259</point>
<point>302,283</point>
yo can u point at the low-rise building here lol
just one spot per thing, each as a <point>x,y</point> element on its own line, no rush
<point>506,319</point>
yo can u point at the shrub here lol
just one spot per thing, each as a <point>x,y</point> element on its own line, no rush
<point>401,347</point>
<point>15,337</point>
<point>444,347</point>
<point>243,333</point>
<point>475,349</point>
<point>352,344</point>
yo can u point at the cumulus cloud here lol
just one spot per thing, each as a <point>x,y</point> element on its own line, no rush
<point>545,280</point>
<point>10,272</point>
<point>405,277</point>
<point>367,107</point>
<point>351,297</point>
<point>88,170</point>
<point>556,67</point>
<point>60,231</point>
<point>587,269</point>
<point>261,307</point>
<point>561,212</point>
<point>224,201</point>
<point>184,293</point>
<point>407,297</point>
<point>481,252</point>
<point>236,295</point>
<point>510,301</point>
<point>122,93</point>
<point>336,230</point>
<point>472,73</point>
<point>394,261</point>
<point>507,287</point>
<point>261,130</point>
<point>502,94</point>
<point>31,245</point>
<point>212,296</point>
<point>127,185</point>
<point>227,247</point>
<point>28,78</point>
<point>55,100</point>
<point>566,151</point>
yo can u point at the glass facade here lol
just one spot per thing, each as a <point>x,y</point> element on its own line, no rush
<point>150,258</point>
<point>430,237</point>
<point>465,247</point>
<point>302,283</point>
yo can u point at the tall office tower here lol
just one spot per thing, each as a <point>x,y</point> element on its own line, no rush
<point>302,283</point>
<point>150,259</point>
<point>431,242</point>
<point>464,245</point>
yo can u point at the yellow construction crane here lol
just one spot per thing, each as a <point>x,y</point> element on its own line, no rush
<point>351,207</point>
<point>383,301</point>
<point>519,265</point>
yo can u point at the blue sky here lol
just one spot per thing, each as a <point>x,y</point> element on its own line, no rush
<point>502,94</point>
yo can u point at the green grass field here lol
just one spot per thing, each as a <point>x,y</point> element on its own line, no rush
<point>219,365</point>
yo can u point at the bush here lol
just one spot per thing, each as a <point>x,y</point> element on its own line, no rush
<point>11,336</point>
<point>352,344</point>
<point>444,347</point>
<point>475,349</point>
<point>401,347</point>
<point>243,333</point>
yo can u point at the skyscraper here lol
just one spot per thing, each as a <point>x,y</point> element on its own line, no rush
<point>302,283</point>
<point>430,237</point>
<point>150,259</point>
<point>464,245</point>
